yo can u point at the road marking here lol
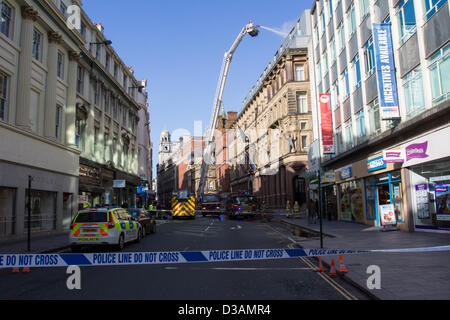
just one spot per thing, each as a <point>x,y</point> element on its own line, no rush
<point>347,295</point>
<point>238,269</point>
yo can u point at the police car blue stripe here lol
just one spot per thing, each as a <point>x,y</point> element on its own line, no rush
<point>75,259</point>
<point>194,256</point>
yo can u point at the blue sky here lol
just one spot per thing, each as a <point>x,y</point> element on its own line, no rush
<point>179,47</point>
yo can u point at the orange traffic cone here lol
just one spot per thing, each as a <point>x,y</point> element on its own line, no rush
<point>321,269</point>
<point>342,267</point>
<point>15,270</point>
<point>26,270</point>
<point>332,269</point>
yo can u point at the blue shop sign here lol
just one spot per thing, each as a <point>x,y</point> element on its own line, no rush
<point>376,164</point>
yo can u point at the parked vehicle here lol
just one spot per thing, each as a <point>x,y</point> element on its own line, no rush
<point>241,205</point>
<point>145,218</point>
<point>210,204</point>
<point>103,226</point>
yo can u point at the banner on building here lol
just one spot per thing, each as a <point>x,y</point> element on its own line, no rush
<point>384,58</point>
<point>326,123</point>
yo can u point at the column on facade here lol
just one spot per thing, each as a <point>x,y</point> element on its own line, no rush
<point>90,121</point>
<point>101,140</point>
<point>29,16</point>
<point>50,89</point>
<point>71,107</point>
<point>289,69</point>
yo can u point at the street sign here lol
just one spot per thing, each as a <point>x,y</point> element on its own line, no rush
<point>119,183</point>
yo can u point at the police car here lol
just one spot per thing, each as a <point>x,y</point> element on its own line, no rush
<point>103,226</point>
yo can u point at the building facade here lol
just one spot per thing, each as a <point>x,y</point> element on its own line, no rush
<point>384,66</point>
<point>274,129</point>
<point>68,117</point>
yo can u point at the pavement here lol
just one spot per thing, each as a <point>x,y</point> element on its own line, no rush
<point>404,276</point>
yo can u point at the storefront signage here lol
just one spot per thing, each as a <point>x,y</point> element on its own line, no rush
<point>345,172</point>
<point>387,86</point>
<point>442,193</point>
<point>329,177</point>
<point>376,164</point>
<point>423,211</point>
<point>82,199</point>
<point>416,151</point>
<point>119,183</point>
<point>326,123</point>
<point>387,214</point>
<point>394,156</point>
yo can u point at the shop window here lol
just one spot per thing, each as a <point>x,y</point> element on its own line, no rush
<point>351,201</point>
<point>43,211</point>
<point>371,211</point>
<point>7,211</point>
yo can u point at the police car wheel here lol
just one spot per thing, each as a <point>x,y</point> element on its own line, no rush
<point>139,236</point>
<point>121,243</point>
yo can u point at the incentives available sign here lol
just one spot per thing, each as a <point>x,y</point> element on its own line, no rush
<point>384,58</point>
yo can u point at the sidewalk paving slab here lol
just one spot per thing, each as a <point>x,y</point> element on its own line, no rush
<point>405,276</point>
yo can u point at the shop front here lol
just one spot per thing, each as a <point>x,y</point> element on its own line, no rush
<point>90,185</point>
<point>369,187</point>
<point>427,164</point>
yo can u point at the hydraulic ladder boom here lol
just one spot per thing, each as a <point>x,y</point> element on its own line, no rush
<point>253,31</point>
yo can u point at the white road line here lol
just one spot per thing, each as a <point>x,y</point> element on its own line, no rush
<point>236,269</point>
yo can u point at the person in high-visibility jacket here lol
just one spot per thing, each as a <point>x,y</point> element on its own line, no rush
<point>288,208</point>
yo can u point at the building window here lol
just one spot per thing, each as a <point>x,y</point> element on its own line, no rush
<point>303,125</point>
<point>80,80</point>
<point>125,156</point>
<point>79,133</point>
<point>369,58</point>
<point>106,154</point>
<point>351,20</point>
<point>43,210</point>
<point>439,66</point>
<point>107,60</point>
<point>58,118</point>
<point>339,140</point>
<point>374,118</point>
<point>356,73</point>
<point>125,81</point>
<point>432,6</point>
<point>333,50</point>
<point>300,73</point>
<point>63,9</point>
<point>360,127</point>
<point>302,103</point>
<point>348,134</point>
<point>37,45</point>
<point>96,93</point>
<point>60,65</point>
<point>406,18</point>
<point>7,18</point>
<point>116,70</point>
<point>106,98</point>
<point>96,131</point>
<point>364,6</point>
<point>124,116</point>
<point>4,94</point>
<point>304,142</point>
<point>345,85</point>
<point>115,105</point>
<point>83,30</point>
<point>413,89</point>
<point>341,32</point>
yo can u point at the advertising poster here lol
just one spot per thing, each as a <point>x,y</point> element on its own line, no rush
<point>384,58</point>
<point>326,123</point>
<point>387,214</point>
<point>442,192</point>
<point>423,211</point>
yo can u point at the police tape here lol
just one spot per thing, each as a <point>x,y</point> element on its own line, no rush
<point>171,257</point>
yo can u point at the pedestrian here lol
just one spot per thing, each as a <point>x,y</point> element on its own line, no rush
<point>316,211</point>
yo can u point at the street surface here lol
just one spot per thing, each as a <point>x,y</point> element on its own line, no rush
<point>286,279</point>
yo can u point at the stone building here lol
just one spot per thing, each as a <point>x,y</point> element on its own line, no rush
<point>273,131</point>
<point>68,117</point>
